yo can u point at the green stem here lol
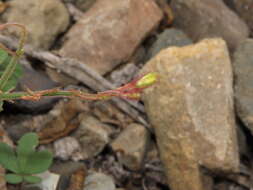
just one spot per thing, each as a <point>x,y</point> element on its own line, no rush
<point>19,95</point>
<point>8,72</point>
<point>36,95</point>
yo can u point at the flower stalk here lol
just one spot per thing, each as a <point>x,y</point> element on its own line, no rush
<point>131,90</point>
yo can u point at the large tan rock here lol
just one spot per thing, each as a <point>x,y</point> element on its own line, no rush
<point>44,20</point>
<point>110,31</point>
<point>191,110</point>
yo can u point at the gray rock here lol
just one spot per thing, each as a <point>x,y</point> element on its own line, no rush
<point>92,136</point>
<point>44,20</point>
<point>131,146</point>
<point>124,75</point>
<point>169,37</point>
<point>243,68</point>
<point>191,110</point>
<point>110,31</point>
<point>99,181</point>
<point>244,9</point>
<point>209,18</point>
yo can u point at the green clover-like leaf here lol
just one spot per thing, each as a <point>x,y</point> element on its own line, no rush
<point>26,146</point>
<point>13,80</point>
<point>27,143</point>
<point>8,158</point>
<point>38,162</point>
<point>13,178</point>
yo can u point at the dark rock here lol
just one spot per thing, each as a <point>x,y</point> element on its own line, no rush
<point>209,18</point>
<point>66,168</point>
<point>191,110</point>
<point>169,37</point>
<point>85,5</point>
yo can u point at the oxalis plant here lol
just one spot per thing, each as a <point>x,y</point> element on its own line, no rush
<point>25,161</point>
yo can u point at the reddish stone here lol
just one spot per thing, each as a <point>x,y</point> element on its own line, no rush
<point>110,31</point>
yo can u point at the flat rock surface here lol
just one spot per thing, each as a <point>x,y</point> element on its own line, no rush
<point>110,31</point>
<point>131,145</point>
<point>191,110</point>
<point>209,18</point>
<point>244,9</point>
<point>44,20</point>
<point>243,70</point>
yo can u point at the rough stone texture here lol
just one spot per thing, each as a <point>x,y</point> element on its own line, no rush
<point>92,135</point>
<point>191,110</point>
<point>67,148</point>
<point>110,31</point>
<point>131,146</point>
<point>99,181</point>
<point>84,5</point>
<point>44,20</point>
<point>124,75</point>
<point>244,9</point>
<point>209,18</point>
<point>243,70</point>
<point>169,37</point>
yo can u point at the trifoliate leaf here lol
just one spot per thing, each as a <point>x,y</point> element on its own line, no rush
<point>32,179</point>
<point>38,162</point>
<point>27,143</point>
<point>13,178</point>
<point>26,146</point>
<point>8,158</point>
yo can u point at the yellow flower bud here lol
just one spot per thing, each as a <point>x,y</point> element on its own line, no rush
<point>147,80</point>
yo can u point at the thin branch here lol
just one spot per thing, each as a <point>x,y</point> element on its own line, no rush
<point>8,72</point>
<point>82,73</point>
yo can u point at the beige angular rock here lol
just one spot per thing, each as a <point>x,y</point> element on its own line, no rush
<point>110,31</point>
<point>68,148</point>
<point>92,136</point>
<point>191,110</point>
<point>44,20</point>
<point>131,146</point>
<point>209,18</point>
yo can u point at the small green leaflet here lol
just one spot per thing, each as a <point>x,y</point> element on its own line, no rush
<point>13,81</point>
<point>4,61</point>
